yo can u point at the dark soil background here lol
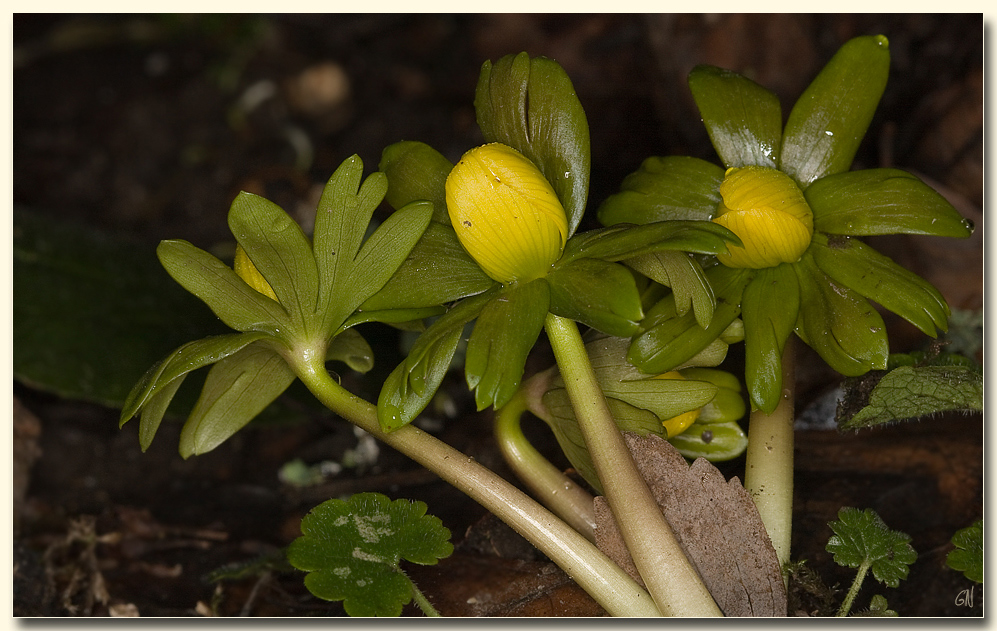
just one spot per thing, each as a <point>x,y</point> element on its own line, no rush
<point>148,126</point>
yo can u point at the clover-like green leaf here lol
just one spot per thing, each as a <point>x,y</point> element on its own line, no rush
<point>909,392</point>
<point>236,303</point>
<point>838,323</point>
<point>767,329</point>
<point>352,550</point>
<point>672,187</point>
<point>416,172</point>
<point>237,389</point>
<point>413,383</point>
<point>280,251</point>
<point>829,120</point>
<point>878,608</point>
<point>598,294</point>
<point>531,105</point>
<point>861,539</point>
<point>683,274</point>
<point>882,201</point>
<point>853,264</point>
<point>968,555</point>
<point>743,119</point>
<point>503,336</point>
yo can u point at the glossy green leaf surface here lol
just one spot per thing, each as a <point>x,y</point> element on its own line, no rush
<point>598,294</point>
<point>280,251</point>
<point>413,383</point>
<point>621,242</point>
<point>829,120</point>
<point>968,555</point>
<point>91,311</point>
<point>882,201</point>
<point>237,304</point>
<point>743,119</point>
<point>851,263</point>
<point>438,270</point>
<point>352,549</point>
<point>352,349</point>
<point>680,271</point>
<point>717,442</point>
<point>416,172</point>
<point>671,187</point>
<point>503,336</point>
<point>862,539</point>
<point>838,323</point>
<point>531,105</point>
<point>769,308</point>
<point>237,389</point>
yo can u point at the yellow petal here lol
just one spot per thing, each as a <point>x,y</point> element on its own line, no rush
<point>677,424</point>
<point>767,211</point>
<point>506,213</point>
<point>247,271</point>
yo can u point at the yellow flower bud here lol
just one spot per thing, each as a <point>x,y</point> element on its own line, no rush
<point>247,271</point>
<point>677,424</point>
<point>767,211</point>
<point>506,213</point>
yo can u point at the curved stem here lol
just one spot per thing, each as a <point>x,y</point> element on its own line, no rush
<point>671,579</point>
<point>853,591</point>
<point>555,490</point>
<point>768,474</point>
<point>591,569</point>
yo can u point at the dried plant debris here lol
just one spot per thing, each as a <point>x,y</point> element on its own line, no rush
<point>715,522</point>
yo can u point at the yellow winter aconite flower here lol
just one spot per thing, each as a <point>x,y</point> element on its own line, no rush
<point>247,271</point>
<point>677,424</point>
<point>767,211</point>
<point>506,213</point>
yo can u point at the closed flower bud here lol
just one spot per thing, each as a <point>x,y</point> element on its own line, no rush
<point>767,211</point>
<point>247,271</point>
<point>506,213</point>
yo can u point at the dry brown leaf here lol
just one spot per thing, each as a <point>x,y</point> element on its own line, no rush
<point>715,522</point>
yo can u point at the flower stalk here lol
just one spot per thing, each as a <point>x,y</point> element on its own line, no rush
<point>672,581</point>
<point>580,559</point>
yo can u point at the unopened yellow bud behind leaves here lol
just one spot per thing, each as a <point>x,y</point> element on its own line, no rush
<point>677,424</point>
<point>506,213</point>
<point>767,211</point>
<point>247,271</point>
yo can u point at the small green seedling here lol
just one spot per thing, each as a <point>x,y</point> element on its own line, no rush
<point>968,555</point>
<point>861,540</point>
<point>352,550</point>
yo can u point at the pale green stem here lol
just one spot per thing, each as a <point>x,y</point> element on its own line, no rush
<point>671,579</point>
<point>768,474</point>
<point>853,591</point>
<point>591,569</point>
<point>555,490</point>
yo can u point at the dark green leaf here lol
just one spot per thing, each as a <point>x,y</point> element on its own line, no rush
<point>862,539</point>
<point>830,118</point>
<point>882,201</point>
<point>769,308</point>
<point>416,172</point>
<point>352,549</point>
<point>531,105</point>
<point>851,263</point>
<point>413,383</point>
<point>237,304</point>
<point>968,555</point>
<point>838,323</point>
<point>237,389</point>
<point>624,241</point>
<point>669,340</point>
<point>910,392</point>
<point>503,336</point>
<point>717,442</point>
<point>669,188</point>
<point>598,294</point>
<point>438,270</point>
<point>680,271</point>
<point>743,119</point>
<point>92,312</point>
<point>280,251</point>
